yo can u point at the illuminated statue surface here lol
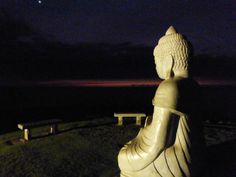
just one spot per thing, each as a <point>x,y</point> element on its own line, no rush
<point>171,143</point>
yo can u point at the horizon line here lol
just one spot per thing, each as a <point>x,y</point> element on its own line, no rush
<point>110,83</point>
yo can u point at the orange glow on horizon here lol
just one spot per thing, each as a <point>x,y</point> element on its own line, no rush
<point>124,83</point>
<point>109,83</point>
<point>102,83</point>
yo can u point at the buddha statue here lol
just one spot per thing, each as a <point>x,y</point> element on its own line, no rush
<point>171,143</point>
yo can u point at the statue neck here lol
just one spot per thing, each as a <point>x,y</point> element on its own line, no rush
<point>183,73</point>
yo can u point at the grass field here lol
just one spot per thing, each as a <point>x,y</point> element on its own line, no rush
<point>83,149</point>
<point>89,149</point>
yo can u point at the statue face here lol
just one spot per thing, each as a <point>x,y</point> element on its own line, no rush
<point>159,67</point>
<point>161,57</point>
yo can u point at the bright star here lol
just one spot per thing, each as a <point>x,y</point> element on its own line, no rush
<point>39,1</point>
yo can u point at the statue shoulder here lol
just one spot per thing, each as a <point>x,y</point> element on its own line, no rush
<point>167,94</point>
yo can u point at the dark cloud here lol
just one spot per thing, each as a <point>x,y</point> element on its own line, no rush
<point>12,29</point>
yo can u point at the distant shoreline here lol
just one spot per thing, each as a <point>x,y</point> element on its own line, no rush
<point>109,83</point>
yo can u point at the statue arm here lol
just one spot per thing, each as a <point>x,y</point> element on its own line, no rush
<point>165,116</point>
<point>152,139</point>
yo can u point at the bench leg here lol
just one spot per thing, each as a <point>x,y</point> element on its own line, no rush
<point>120,121</point>
<point>27,134</point>
<point>53,129</point>
<point>138,120</point>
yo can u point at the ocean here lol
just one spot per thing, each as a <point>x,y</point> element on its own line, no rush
<point>34,103</point>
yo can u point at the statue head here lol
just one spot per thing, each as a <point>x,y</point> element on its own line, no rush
<point>172,55</point>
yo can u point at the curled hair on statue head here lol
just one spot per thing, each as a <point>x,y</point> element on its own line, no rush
<point>177,46</point>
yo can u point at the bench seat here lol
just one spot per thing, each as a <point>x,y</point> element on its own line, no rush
<point>23,126</point>
<point>27,126</point>
<point>120,117</point>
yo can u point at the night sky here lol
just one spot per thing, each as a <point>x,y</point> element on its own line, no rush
<point>209,25</point>
<point>60,39</point>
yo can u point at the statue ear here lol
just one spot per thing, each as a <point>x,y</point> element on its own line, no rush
<point>168,65</point>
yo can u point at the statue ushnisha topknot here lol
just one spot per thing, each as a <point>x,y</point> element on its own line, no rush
<point>171,30</point>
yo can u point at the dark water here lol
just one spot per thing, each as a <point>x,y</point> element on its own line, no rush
<point>23,104</point>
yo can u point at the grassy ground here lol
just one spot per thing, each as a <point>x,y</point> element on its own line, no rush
<point>81,149</point>
<point>85,149</point>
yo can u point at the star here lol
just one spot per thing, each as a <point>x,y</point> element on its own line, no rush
<point>39,1</point>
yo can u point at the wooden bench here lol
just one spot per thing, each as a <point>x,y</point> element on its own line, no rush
<point>137,115</point>
<point>27,126</point>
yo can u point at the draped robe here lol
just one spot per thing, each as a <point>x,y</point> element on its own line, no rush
<point>171,144</point>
